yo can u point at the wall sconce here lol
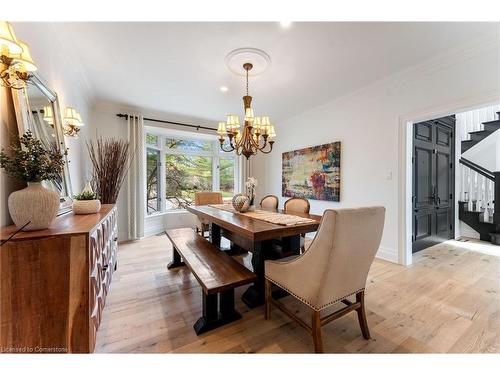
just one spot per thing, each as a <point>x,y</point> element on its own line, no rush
<point>48,115</point>
<point>72,122</point>
<point>15,59</point>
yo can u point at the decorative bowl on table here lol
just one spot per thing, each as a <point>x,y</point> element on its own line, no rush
<point>241,202</point>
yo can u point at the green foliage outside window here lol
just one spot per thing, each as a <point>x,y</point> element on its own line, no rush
<point>186,175</point>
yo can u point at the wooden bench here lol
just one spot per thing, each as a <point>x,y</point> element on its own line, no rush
<point>217,273</point>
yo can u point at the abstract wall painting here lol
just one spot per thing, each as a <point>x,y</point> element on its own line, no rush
<point>312,173</point>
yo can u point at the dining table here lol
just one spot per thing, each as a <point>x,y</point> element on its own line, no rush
<point>259,237</point>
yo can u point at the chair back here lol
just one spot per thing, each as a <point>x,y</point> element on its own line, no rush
<point>203,198</point>
<point>269,202</point>
<point>297,205</point>
<point>337,262</point>
<point>347,241</point>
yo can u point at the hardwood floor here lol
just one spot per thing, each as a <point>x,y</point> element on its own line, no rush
<point>447,301</point>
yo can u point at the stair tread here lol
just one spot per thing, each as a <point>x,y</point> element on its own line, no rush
<point>493,122</point>
<point>480,131</point>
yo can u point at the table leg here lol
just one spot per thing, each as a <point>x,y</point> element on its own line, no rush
<point>290,246</point>
<point>254,295</point>
<point>215,234</point>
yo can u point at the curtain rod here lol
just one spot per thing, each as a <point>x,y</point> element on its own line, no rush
<point>197,127</point>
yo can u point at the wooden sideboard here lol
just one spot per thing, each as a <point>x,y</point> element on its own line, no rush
<point>54,283</point>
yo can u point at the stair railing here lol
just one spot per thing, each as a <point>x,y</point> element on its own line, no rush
<point>477,168</point>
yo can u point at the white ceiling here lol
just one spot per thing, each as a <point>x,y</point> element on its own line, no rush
<point>179,67</point>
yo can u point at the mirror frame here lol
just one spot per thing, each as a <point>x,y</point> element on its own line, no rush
<point>23,117</point>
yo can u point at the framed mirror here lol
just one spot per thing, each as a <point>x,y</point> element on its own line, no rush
<point>37,109</point>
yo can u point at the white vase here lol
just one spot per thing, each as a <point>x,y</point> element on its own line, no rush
<point>34,204</point>
<point>85,207</point>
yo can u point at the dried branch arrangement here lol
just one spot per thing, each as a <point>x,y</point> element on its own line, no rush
<point>111,160</point>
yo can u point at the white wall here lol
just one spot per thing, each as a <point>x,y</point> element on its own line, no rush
<point>367,122</point>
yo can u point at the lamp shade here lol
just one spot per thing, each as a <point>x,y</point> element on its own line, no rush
<point>8,41</point>
<point>221,129</point>
<point>249,115</point>
<point>25,59</point>
<point>271,132</point>
<point>79,119</point>
<point>48,116</point>
<point>257,124</point>
<point>233,122</point>
<point>72,117</point>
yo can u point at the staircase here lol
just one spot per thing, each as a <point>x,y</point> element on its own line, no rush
<point>489,128</point>
<point>487,227</point>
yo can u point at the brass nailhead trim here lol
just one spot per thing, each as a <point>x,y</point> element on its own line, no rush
<point>310,304</point>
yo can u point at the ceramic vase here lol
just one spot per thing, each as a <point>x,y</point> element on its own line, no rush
<point>34,204</point>
<point>85,207</point>
<point>241,202</point>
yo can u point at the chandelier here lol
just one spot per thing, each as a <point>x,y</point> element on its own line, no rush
<point>257,134</point>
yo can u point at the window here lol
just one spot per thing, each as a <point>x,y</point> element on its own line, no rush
<point>152,180</point>
<point>176,168</point>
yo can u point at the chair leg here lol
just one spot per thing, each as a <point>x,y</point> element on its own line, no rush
<point>316,332</point>
<point>363,323</point>
<point>268,297</point>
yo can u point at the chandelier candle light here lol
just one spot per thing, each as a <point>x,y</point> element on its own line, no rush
<point>257,133</point>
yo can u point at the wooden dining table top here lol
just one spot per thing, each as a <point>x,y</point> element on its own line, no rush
<point>254,229</point>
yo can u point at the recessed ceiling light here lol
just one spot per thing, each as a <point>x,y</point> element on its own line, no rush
<point>285,24</point>
<point>223,89</point>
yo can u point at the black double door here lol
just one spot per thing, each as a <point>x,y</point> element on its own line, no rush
<point>433,182</point>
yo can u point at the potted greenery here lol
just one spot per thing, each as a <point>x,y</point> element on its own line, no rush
<point>29,161</point>
<point>86,202</point>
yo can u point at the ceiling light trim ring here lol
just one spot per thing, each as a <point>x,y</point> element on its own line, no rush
<point>235,59</point>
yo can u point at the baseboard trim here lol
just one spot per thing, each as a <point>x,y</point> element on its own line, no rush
<point>153,230</point>
<point>385,253</point>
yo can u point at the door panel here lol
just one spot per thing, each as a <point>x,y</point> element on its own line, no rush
<point>423,175</point>
<point>443,178</point>
<point>423,224</point>
<point>433,182</point>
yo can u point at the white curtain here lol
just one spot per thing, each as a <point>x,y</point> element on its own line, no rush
<point>136,178</point>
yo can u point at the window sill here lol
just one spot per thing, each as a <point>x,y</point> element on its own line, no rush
<point>164,213</point>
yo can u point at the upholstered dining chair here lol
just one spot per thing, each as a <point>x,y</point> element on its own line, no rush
<point>300,205</point>
<point>297,205</point>
<point>203,198</point>
<point>332,269</point>
<point>270,202</point>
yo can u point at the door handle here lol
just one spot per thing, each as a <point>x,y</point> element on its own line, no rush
<point>433,195</point>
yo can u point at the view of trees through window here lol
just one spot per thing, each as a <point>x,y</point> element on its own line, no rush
<point>226,175</point>
<point>188,166</point>
<point>184,176</point>
<point>152,180</point>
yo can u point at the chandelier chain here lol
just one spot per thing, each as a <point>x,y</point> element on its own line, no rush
<point>247,81</point>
